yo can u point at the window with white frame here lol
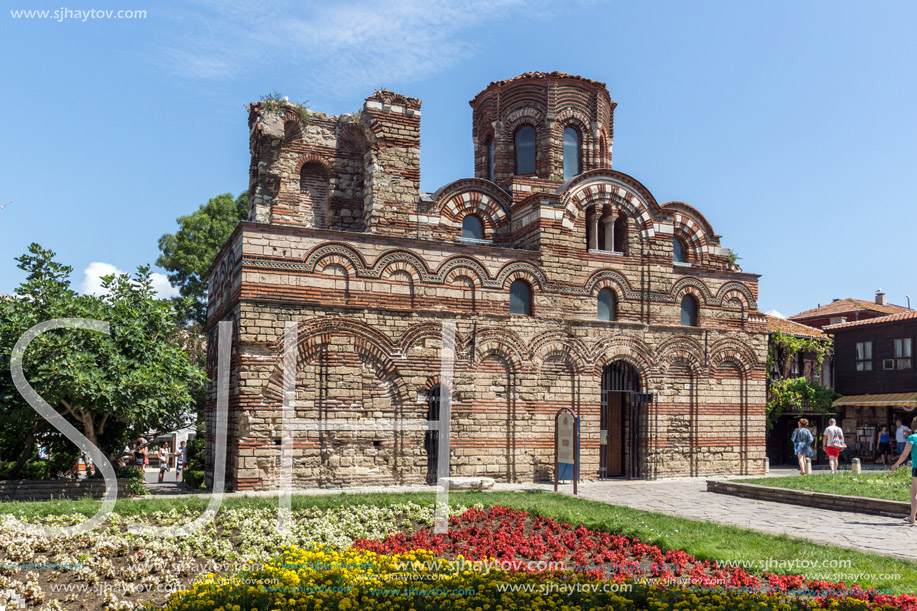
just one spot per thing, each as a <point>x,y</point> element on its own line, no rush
<point>864,356</point>
<point>903,353</point>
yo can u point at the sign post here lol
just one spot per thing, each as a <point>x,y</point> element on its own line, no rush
<point>566,446</point>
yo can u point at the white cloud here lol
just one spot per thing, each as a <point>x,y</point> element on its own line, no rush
<point>92,280</point>
<point>775,314</point>
<point>161,285</point>
<point>340,47</point>
<point>92,277</point>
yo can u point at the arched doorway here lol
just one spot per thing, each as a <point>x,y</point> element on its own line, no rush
<point>431,438</point>
<point>624,419</point>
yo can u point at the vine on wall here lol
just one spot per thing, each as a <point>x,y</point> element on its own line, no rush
<point>783,391</point>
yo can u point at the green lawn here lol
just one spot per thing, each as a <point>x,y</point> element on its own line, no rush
<point>876,484</point>
<point>704,540</point>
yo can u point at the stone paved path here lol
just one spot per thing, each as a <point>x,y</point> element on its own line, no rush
<point>688,498</point>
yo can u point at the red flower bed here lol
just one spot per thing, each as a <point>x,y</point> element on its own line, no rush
<point>519,541</point>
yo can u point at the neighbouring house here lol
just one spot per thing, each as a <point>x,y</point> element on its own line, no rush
<point>875,372</point>
<point>568,284</point>
<point>840,311</point>
<point>803,366</point>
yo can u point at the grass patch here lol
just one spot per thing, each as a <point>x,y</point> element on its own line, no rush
<point>754,551</point>
<point>887,485</point>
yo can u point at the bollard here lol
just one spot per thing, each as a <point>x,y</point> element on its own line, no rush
<point>855,465</point>
<point>808,466</point>
<point>767,465</point>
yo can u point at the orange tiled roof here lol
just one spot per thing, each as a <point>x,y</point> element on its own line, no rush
<point>775,323</point>
<point>876,321</point>
<point>843,306</point>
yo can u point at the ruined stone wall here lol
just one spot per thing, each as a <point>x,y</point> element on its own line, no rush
<point>392,122</point>
<point>364,168</point>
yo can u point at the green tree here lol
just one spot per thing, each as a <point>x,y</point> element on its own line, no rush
<point>114,387</point>
<point>189,253</point>
<point>785,392</point>
<point>45,294</point>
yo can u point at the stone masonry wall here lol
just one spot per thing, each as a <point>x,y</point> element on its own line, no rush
<point>341,243</point>
<point>370,336</point>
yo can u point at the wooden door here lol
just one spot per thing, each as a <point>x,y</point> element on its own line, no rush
<point>614,448</point>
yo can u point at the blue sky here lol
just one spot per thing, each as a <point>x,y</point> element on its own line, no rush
<point>791,126</point>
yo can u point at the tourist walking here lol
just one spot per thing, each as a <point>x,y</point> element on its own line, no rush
<point>181,459</point>
<point>910,450</point>
<point>163,460</point>
<point>140,453</point>
<point>901,435</point>
<point>802,444</point>
<point>833,442</point>
<point>885,446</point>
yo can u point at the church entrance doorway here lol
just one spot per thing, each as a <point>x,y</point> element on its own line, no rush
<point>624,421</point>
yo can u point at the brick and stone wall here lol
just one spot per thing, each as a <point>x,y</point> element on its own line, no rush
<point>549,103</point>
<point>369,269</point>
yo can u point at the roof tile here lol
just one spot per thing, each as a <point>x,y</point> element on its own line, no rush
<point>875,321</point>
<point>775,323</point>
<point>843,306</point>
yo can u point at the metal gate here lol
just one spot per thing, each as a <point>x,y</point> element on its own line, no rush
<point>641,428</point>
<point>637,413</point>
<point>431,438</point>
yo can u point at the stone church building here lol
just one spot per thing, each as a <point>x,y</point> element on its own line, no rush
<point>570,286</point>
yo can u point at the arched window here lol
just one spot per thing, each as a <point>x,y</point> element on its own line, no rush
<point>603,151</point>
<point>606,304</point>
<point>472,227</point>
<point>490,159</point>
<point>571,153</point>
<point>525,150</point>
<point>620,235</point>
<point>689,311</point>
<point>520,298</point>
<point>678,251</point>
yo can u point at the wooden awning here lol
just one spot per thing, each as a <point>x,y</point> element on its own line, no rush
<point>907,400</point>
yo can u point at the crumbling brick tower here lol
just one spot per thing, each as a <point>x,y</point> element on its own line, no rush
<point>569,285</point>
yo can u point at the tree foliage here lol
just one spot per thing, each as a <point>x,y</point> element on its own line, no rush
<point>797,392</point>
<point>112,387</point>
<point>785,392</point>
<point>782,348</point>
<point>189,253</point>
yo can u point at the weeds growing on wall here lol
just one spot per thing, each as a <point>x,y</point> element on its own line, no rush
<point>276,102</point>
